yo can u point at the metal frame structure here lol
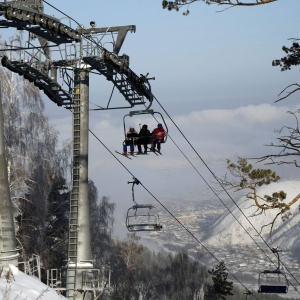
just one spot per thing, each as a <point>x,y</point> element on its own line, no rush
<point>273,281</point>
<point>58,58</point>
<point>145,112</point>
<point>142,217</point>
<point>8,243</point>
<point>78,48</point>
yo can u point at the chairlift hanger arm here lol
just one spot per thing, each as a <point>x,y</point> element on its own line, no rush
<point>276,252</point>
<point>137,182</point>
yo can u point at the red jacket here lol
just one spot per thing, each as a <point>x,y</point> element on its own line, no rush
<point>159,134</point>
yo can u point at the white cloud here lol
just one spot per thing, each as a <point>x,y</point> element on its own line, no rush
<point>216,134</point>
<point>250,114</point>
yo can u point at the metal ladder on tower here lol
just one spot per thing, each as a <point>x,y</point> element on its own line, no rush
<point>74,204</point>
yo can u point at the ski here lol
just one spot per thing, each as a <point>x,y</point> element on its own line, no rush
<point>156,151</point>
<point>151,150</point>
<point>141,153</point>
<point>127,156</point>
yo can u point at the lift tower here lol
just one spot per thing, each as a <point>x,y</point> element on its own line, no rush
<point>59,54</point>
<point>79,254</point>
<point>8,243</point>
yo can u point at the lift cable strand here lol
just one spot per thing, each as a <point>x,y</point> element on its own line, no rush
<point>216,178</point>
<point>232,212</point>
<point>170,213</point>
<point>186,158</point>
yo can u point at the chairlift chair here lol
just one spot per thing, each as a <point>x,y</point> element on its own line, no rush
<point>142,217</point>
<point>273,281</point>
<point>144,112</point>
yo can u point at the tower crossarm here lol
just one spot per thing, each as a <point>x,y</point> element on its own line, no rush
<point>120,30</point>
<point>50,87</point>
<point>135,89</point>
<point>43,25</point>
<point>121,65</point>
<point>66,49</point>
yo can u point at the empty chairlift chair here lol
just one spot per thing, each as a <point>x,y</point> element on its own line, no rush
<point>142,217</point>
<point>273,281</point>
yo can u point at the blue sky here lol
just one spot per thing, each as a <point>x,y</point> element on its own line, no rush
<point>214,76</point>
<point>222,59</point>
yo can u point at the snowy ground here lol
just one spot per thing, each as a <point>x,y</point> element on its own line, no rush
<point>14,284</point>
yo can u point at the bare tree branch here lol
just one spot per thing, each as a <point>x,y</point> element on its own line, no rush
<point>178,4</point>
<point>288,143</point>
<point>270,224</point>
<point>289,93</point>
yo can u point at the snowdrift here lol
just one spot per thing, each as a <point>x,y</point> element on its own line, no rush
<point>14,284</point>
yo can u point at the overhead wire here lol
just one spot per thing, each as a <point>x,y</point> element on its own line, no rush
<point>217,179</point>
<point>184,155</point>
<point>233,214</point>
<point>171,214</point>
<point>54,7</point>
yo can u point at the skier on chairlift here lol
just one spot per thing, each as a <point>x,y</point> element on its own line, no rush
<point>129,141</point>
<point>144,139</point>
<point>158,136</point>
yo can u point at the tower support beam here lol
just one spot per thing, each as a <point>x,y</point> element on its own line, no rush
<point>79,253</point>
<point>8,243</point>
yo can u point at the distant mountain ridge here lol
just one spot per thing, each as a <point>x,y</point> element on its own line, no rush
<point>226,230</point>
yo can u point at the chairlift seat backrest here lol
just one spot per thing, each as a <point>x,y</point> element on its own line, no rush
<point>143,218</point>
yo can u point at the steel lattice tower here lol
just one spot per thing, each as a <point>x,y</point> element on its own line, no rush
<point>79,54</point>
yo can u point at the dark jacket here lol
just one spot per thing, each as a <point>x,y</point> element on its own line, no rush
<point>144,135</point>
<point>130,137</point>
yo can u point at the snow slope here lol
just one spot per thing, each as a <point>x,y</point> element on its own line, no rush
<point>226,230</point>
<point>18,285</point>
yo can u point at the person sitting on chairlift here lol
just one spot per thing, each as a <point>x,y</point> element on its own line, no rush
<point>144,139</point>
<point>158,136</point>
<point>129,141</point>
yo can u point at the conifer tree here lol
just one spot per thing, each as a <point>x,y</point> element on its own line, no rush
<point>221,285</point>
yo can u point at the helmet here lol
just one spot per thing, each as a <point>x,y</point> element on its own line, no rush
<point>159,125</point>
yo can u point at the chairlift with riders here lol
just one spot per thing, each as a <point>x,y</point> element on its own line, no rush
<point>144,112</point>
<point>142,217</point>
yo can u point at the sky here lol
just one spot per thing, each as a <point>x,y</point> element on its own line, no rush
<point>213,76</point>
